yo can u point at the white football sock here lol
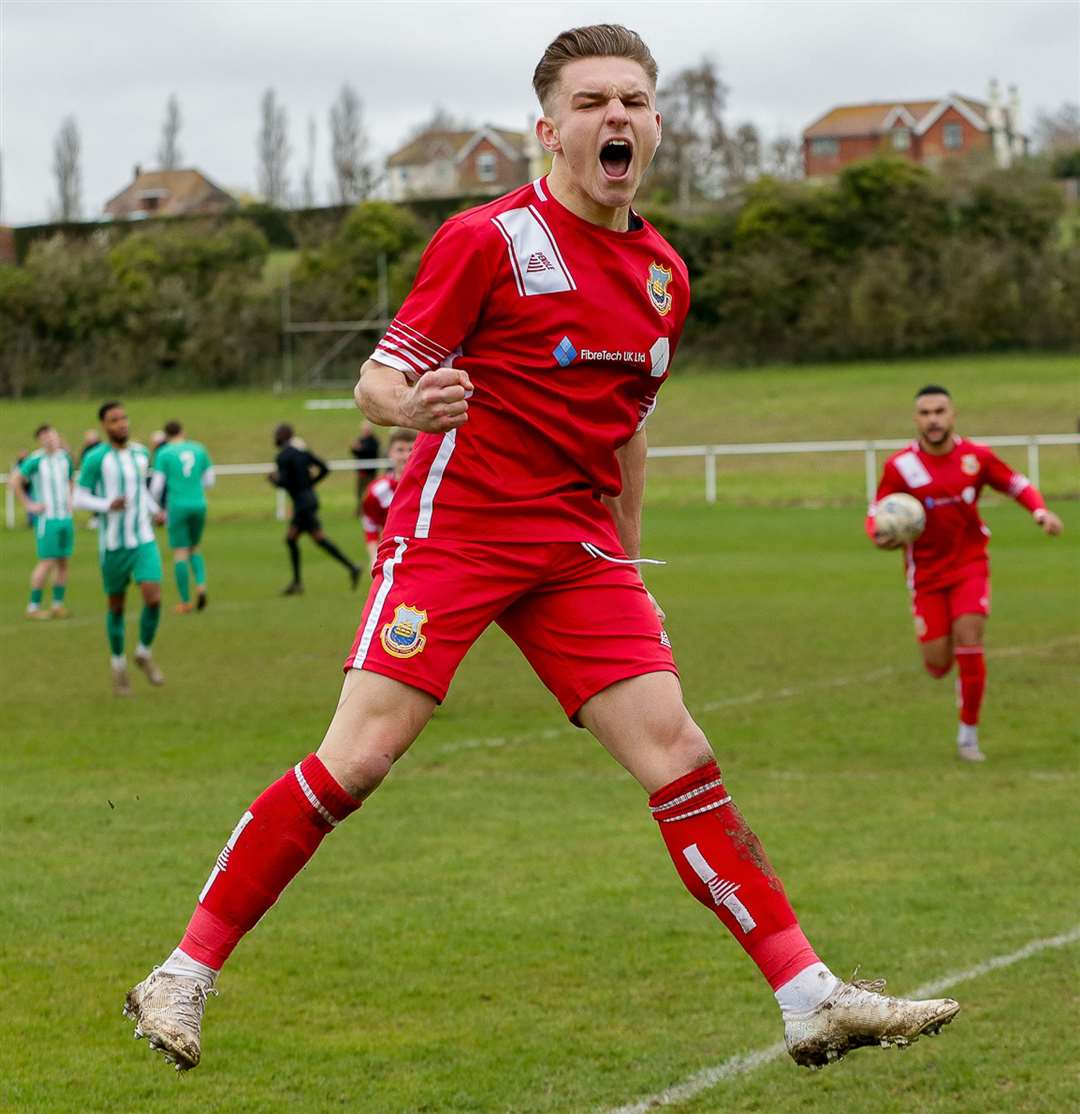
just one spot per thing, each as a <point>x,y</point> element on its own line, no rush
<point>118,661</point>
<point>180,963</point>
<point>142,651</point>
<point>807,990</point>
<point>967,736</point>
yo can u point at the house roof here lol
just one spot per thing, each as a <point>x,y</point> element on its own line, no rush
<point>179,190</point>
<point>436,144</point>
<point>876,118</point>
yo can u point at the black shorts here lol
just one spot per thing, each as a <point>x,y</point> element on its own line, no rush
<point>306,518</point>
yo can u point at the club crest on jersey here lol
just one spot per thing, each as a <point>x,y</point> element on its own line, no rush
<point>657,286</point>
<point>401,637</point>
<point>969,464</point>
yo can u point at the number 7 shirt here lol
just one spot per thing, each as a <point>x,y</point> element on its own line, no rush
<point>567,331</point>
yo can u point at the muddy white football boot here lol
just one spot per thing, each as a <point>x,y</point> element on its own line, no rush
<point>167,1011</point>
<point>147,664</point>
<point>121,686</point>
<point>967,744</point>
<point>857,1014</point>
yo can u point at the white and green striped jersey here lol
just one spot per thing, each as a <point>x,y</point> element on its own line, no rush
<point>50,481</point>
<point>108,472</point>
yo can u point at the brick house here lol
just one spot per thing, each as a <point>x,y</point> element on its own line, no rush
<point>486,161</point>
<point>923,131</point>
<point>168,193</point>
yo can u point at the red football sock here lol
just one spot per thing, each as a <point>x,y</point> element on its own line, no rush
<point>273,841</point>
<point>971,664</point>
<point>724,866</point>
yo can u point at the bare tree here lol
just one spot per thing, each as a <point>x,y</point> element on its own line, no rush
<point>272,147</point>
<point>689,162</point>
<point>1059,129</point>
<point>741,155</point>
<point>66,148</point>
<point>307,190</point>
<point>169,152</point>
<point>783,159</point>
<point>440,120</point>
<point>353,174</point>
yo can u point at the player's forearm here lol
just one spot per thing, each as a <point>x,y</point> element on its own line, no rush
<point>1030,498</point>
<point>87,501</point>
<point>322,469</point>
<point>380,393</point>
<point>157,486</point>
<point>626,506</point>
<point>209,478</point>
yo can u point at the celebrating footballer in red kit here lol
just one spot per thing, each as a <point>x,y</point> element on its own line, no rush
<point>529,355</point>
<point>948,571</point>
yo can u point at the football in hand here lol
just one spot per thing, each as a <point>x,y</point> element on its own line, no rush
<point>900,518</point>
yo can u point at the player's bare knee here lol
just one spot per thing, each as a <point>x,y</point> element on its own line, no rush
<point>936,667</point>
<point>359,772</point>
<point>968,630</point>
<point>687,743</point>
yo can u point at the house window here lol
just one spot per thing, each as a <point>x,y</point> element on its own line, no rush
<point>824,148</point>
<point>953,136</point>
<point>901,139</point>
<point>485,167</point>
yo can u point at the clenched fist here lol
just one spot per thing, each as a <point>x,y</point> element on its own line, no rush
<point>437,401</point>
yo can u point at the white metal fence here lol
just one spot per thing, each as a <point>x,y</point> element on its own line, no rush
<point>709,454</point>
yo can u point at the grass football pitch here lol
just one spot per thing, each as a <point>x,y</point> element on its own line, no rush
<point>499,928</point>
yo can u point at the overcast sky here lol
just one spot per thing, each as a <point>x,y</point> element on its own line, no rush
<point>113,65</point>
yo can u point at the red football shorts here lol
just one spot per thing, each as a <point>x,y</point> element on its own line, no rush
<point>936,611</point>
<point>583,622</point>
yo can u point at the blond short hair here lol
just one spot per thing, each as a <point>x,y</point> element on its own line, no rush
<point>600,40</point>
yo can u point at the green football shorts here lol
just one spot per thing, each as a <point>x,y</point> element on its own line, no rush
<point>120,566</point>
<point>55,538</point>
<point>186,526</point>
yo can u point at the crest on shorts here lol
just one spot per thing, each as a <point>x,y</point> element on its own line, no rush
<point>969,464</point>
<point>401,637</point>
<point>657,286</point>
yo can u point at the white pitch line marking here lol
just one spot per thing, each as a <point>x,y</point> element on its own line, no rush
<point>759,696</point>
<point>749,1061</point>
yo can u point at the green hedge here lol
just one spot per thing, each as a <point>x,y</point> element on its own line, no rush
<point>886,259</point>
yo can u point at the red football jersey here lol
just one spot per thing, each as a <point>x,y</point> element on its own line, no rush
<point>567,331</point>
<point>377,500</point>
<point>948,487</point>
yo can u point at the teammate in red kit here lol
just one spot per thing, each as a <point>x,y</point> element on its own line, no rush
<point>529,353</point>
<point>380,492</point>
<point>948,573</point>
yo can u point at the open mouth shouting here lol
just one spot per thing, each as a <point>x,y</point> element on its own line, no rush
<point>616,157</point>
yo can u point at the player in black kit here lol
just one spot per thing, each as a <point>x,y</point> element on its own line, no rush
<point>297,471</point>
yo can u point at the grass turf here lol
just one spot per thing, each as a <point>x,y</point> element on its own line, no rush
<point>499,929</point>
